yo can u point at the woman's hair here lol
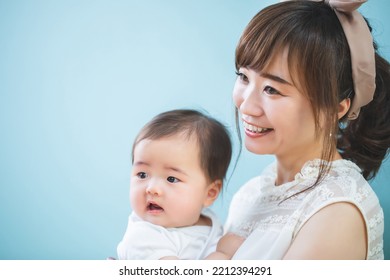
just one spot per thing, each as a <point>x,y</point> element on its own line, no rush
<point>319,62</point>
<point>211,136</point>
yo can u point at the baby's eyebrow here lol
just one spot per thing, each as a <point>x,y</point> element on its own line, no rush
<point>139,163</point>
<point>176,169</point>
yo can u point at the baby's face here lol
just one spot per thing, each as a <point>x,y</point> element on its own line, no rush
<point>168,186</point>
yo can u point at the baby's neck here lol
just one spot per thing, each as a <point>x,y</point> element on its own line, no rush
<point>203,221</point>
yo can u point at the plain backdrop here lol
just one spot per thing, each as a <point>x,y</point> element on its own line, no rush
<point>79,78</point>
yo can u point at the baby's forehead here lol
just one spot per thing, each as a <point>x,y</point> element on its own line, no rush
<point>186,145</point>
<point>175,150</point>
<point>180,136</point>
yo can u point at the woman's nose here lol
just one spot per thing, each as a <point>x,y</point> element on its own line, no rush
<point>248,101</point>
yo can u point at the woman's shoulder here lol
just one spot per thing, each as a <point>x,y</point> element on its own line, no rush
<point>345,180</point>
<point>345,184</point>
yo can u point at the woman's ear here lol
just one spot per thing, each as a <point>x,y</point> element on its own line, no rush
<point>344,107</point>
<point>212,192</point>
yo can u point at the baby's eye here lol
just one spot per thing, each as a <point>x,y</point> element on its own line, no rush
<point>270,90</point>
<point>172,179</point>
<point>242,76</point>
<point>142,175</point>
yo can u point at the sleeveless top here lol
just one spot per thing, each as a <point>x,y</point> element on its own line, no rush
<point>270,219</point>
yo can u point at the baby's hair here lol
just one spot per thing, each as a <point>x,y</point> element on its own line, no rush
<point>212,137</point>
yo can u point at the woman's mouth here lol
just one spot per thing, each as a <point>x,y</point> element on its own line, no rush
<point>255,129</point>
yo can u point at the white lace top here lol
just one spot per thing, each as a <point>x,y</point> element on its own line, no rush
<point>269,226</point>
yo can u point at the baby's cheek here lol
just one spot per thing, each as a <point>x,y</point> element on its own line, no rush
<point>136,198</point>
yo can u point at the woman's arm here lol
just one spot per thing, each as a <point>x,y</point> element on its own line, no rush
<point>336,232</point>
<point>226,247</point>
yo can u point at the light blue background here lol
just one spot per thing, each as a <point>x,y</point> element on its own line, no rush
<point>77,81</point>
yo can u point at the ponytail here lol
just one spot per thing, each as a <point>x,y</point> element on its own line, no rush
<point>366,140</point>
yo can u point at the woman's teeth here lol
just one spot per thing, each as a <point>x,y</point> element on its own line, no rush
<point>255,129</point>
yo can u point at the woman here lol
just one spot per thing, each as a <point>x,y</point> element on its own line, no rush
<point>312,91</point>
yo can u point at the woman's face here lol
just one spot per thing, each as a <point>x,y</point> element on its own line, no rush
<point>277,118</point>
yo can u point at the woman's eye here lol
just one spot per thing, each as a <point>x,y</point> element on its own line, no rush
<point>142,175</point>
<point>242,76</point>
<point>172,179</point>
<point>270,90</point>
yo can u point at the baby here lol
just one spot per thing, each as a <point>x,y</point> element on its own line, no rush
<point>180,159</point>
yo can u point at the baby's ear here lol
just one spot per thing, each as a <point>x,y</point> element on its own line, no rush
<point>212,192</point>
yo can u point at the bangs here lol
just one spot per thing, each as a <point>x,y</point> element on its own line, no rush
<point>263,38</point>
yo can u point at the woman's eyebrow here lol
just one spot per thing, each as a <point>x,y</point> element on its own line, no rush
<point>275,78</point>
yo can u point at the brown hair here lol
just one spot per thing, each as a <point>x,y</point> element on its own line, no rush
<point>320,64</point>
<point>212,137</point>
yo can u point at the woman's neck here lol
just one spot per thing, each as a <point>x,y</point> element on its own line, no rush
<point>287,169</point>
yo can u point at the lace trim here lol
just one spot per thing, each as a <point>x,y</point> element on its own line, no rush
<point>373,226</point>
<point>376,252</point>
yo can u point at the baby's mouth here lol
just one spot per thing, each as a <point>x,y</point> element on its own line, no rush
<point>154,207</point>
